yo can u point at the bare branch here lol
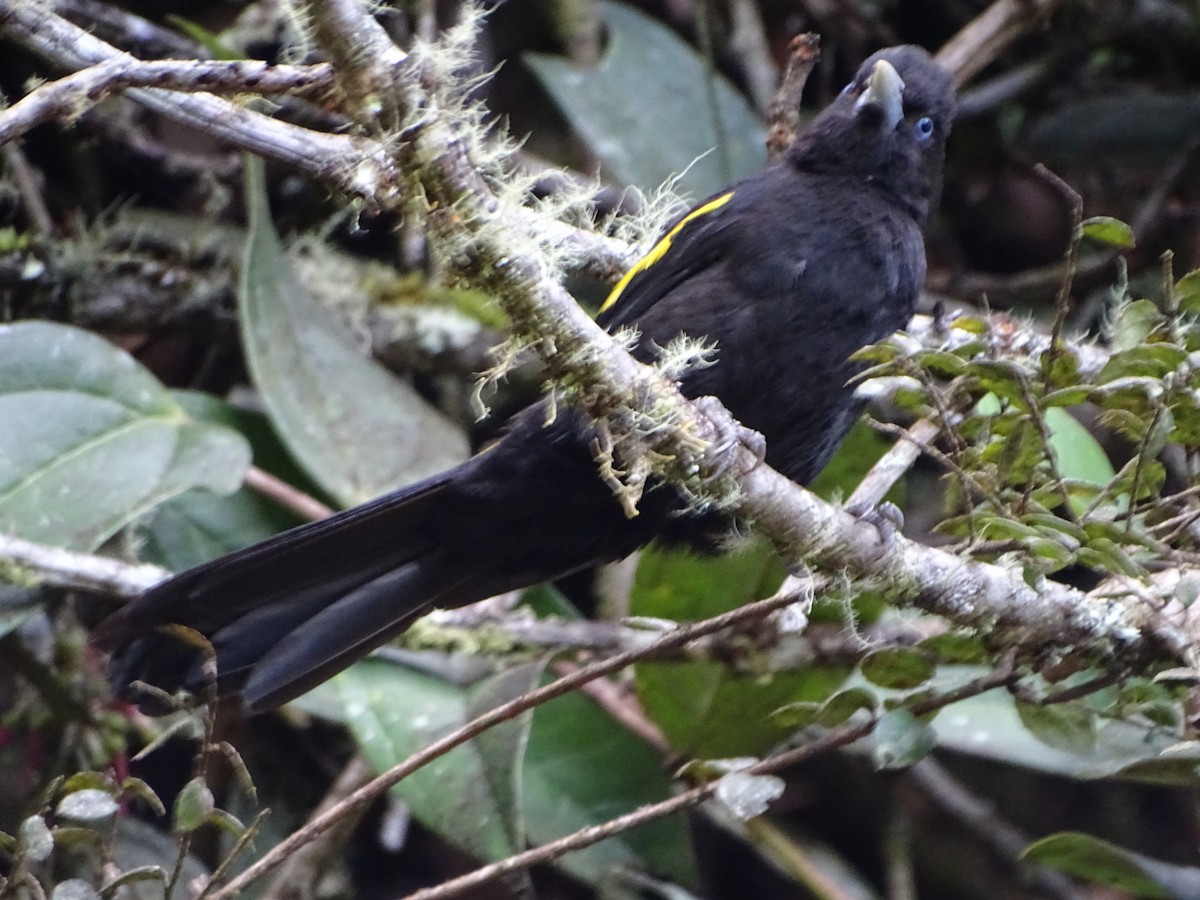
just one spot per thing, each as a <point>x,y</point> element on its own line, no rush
<point>70,97</point>
<point>358,166</point>
<point>987,35</point>
<point>83,571</point>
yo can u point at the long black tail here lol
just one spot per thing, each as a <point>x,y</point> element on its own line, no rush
<point>286,614</point>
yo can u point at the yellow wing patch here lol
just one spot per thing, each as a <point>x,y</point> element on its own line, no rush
<point>659,250</point>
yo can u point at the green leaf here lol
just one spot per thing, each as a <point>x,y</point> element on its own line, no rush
<point>647,61</point>
<point>955,647</point>
<point>1134,323</point>
<point>1066,726</point>
<point>198,526</point>
<point>582,768</point>
<point>136,787</point>
<point>704,708</point>
<point>91,440</point>
<point>469,795</point>
<point>900,668</point>
<point>356,428</point>
<point>708,710</point>
<point>679,585</point>
<point>1080,456</point>
<point>989,726</point>
<point>1145,360</point>
<point>193,807</point>
<point>1187,292</point>
<point>901,740</point>
<point>135,876</point>
<point>87,805</point>
<point>35,842</point>
<point>1090,858</point>
<point>210,41</point>
<point>1107,230</point>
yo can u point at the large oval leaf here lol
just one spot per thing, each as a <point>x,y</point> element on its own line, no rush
<point>356,428</point>
<point>91,440</point>
<point>644,111</point>
<point>199,525</point>
<point>469,795</point>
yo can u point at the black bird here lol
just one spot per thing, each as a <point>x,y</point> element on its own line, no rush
<point>788,272</point>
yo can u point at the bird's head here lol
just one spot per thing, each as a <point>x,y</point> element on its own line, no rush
<point>889,126</point>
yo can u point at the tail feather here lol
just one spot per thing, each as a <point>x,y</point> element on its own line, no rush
<point>285,614</point>
<point>342,632</point>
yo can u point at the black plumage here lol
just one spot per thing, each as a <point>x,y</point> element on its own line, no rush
<point>788,272</point>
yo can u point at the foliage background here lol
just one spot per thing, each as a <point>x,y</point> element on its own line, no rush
<point>132,229</point>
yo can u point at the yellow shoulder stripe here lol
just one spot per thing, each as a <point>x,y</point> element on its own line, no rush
<point>659,250</point>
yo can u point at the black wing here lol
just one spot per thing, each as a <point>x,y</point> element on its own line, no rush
<point>691,245</point>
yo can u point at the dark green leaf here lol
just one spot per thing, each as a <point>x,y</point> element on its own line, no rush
<point>1065,726</point>
<point>468,795</point>
<point>1068,396</point>
<point>645,60</point>
<point>1090,858</point>
<point>357,429</point>
<point>707,710</point>
<point>582,768</point>
<point>1145,360</point>
<point>193,807</point>
<point>135,787</point>
<point>955,647</point>
<point>1187,292</point>
<point>844,704</point>
<point>900,668</point>
<point>91,440</point>
<point>135,876</point>
<point>901,740</point>
<point>678,585</point>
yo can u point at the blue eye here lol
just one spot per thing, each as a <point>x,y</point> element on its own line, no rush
<point>848,88</point>
<point>924,128</point>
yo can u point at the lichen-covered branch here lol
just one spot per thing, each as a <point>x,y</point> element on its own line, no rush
<point>68,98</point>
<point>484,243</point>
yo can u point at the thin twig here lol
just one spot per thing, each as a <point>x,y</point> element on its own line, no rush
<point>986,36</point>
<point>1062,305</point>
<point>297,877</point>
<point>31,196</point>
<point>358,166</point>
<point>321,823</point>
<point>304,505</point>
<point>783,116</point>
<point>890,467</point>
<point>980,818</point>
<point>585,837</point>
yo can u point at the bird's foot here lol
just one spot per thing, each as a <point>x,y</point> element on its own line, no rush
<point>728,434</point>
<point>886,517</point>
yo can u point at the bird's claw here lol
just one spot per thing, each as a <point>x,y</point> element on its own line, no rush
<point>728,434</point>
<point>886,517</point>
